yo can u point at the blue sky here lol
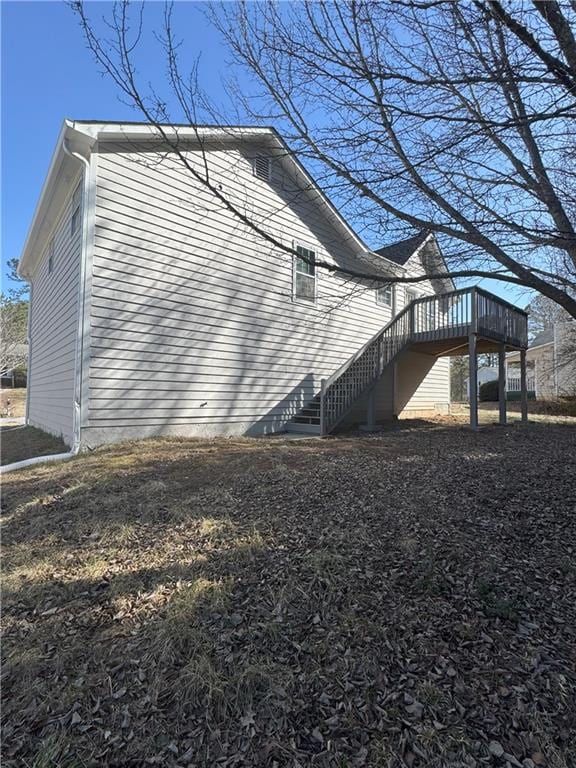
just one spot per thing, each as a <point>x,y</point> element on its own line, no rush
<point>48,74</point>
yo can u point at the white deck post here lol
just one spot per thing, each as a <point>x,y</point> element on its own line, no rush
<point>473,380</point>
<point>502,383</point>
<point>523,387</point>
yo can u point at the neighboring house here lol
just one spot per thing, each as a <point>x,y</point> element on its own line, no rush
<point>155,311</point>
<point>551,358</point>
<point>488,373</point>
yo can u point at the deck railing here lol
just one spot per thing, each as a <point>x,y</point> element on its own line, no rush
<point>430,318</point>
<point>514,383</point>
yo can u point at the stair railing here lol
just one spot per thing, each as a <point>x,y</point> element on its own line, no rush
<point>429,318</point>
<point>342,389</point>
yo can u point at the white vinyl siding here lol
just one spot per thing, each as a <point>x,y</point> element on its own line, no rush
<point>50,254</point>
<point>193,325</point>
<point>75,218</point>
<point>53,330</point>
<point>424,383</point>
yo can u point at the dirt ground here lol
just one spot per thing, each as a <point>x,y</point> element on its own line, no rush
<point>404,599</point>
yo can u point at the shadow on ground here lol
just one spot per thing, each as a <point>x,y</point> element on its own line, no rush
<point>405,598</point>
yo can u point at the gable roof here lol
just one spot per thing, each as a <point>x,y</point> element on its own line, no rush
<point>431,257</point>
<point>77,139</point>
<point>402,250</point>
<point>544,337</point>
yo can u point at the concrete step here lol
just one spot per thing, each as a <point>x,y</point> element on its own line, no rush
<point>310,429</point>
<point>300,419</point>
<point>310,411</point>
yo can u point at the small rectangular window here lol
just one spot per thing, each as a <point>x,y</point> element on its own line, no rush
<point>51,250</point>
<point>261,167</point>
<point>385,296</point>
<point>76,209</point>
<point>304,274</point>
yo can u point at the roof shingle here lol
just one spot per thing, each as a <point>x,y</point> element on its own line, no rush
<point>544,337</point>
<point>401,251</point>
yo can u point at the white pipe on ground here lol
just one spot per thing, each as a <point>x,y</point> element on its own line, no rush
<point>37,460</point>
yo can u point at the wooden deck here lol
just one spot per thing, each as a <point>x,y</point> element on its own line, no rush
<point>467,321</point>
<point>442,324</point>
<point>464,322</point>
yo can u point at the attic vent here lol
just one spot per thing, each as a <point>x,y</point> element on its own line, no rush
<point>261,167</point>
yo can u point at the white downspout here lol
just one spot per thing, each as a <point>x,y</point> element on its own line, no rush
<point>29,341</point>
<point>79,340</point>
<point>81,299</point>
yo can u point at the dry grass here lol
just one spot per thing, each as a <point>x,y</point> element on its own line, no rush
<point>396,600</point>
<point>562,410</point>
<point>19,443</point>
<point>13,402</point>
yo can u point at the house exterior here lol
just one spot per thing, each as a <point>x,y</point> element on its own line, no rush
<point>551,360</point>
<point>155,310</point>
<point>488,373</point>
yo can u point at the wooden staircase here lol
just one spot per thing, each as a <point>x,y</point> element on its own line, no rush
<point>441,324</point>
<point>308,418</point>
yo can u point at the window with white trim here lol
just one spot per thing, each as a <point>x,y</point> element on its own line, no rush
<point>385,296</point>
<point>304,288</point>
<point>262,168</point>
<point>76,209</point>
<point>51,256</point>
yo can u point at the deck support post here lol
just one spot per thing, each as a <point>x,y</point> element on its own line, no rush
<point>395,390</point>
<point>371,411</point>
<point>502,383</point>
<point>322,407</point>
<point>473,380</point>
<point>523,387</point>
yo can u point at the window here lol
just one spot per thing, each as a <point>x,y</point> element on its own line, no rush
<point>261,168</point>
<point>304,274</point>
<point>385,296</point>
<point>51,250</point>
<point>76,209</point>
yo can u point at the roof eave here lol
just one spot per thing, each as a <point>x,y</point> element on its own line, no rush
<point>61,165</point>
<point>84,134</point>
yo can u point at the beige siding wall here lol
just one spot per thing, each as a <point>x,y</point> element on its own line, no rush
<point>565,337</point>
<point>423,382</point>
<point>544,371</point>
<point>53,331</point>
<point>193,327</point>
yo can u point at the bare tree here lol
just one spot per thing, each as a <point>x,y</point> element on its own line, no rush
<point>14,323</point>
<point>451,117</point>
<point>559,366</point>
<point>455,117</point>
<point>14,350</point>
<point>543,313</point>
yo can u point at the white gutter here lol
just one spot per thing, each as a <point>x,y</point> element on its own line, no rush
<point>79,338</point>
